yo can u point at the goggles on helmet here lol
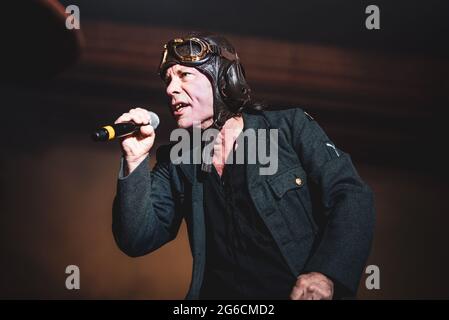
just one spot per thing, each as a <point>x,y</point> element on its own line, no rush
<point>193,51</point>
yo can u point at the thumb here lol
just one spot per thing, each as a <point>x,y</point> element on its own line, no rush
<point>147,130</point>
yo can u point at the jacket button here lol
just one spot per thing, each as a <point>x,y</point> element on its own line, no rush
<point>298,181</point>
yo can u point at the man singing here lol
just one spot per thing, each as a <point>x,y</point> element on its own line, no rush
<point>303,231</point>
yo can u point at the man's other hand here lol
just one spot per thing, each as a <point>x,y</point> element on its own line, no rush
<point>313,286</point>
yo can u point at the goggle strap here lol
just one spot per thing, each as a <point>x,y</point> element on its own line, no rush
<point>223,53</point>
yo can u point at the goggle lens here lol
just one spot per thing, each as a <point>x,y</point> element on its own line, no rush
<point>189,50</point>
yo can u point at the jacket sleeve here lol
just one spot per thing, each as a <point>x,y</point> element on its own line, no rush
<point>348,206</point>
<point>144,215</point>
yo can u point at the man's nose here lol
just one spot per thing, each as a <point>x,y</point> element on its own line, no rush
<point>174,87</point>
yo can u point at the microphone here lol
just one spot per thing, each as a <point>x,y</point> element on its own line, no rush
<point>118,130</point>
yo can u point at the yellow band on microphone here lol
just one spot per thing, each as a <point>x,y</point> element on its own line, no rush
<point>111,132</point>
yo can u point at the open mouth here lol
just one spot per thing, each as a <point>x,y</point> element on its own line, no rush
<point>178,107</point>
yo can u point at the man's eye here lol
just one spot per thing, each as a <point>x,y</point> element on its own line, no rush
<point>184,74</point>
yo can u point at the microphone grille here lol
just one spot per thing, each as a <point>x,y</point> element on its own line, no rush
<point>154,119</point>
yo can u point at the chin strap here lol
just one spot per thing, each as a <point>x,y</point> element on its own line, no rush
<point>206,165</point>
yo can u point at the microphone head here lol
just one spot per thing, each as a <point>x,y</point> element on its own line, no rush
<point>154,119</point>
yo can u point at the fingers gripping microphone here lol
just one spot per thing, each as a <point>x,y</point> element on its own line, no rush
<point>118,130</point>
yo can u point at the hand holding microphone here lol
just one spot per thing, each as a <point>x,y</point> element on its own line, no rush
<point>122,129</point>
<point>136,130</point>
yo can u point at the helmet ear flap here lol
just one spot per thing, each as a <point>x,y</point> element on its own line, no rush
<point>234,89</point>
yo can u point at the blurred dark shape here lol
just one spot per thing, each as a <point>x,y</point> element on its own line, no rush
<point>36,44</point>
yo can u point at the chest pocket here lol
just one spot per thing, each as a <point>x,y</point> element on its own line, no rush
<point>291,191</point>
<point>293,178</point>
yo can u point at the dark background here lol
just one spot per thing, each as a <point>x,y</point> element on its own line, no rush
<point>381,95</point>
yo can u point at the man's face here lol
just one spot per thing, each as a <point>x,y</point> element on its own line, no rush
<point>191,96</point>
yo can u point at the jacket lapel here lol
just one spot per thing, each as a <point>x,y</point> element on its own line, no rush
<point>255,121</point>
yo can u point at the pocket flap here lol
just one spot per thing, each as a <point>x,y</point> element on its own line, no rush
<point>291,178</point>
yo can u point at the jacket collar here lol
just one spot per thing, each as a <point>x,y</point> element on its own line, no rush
<point>251,120</point>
